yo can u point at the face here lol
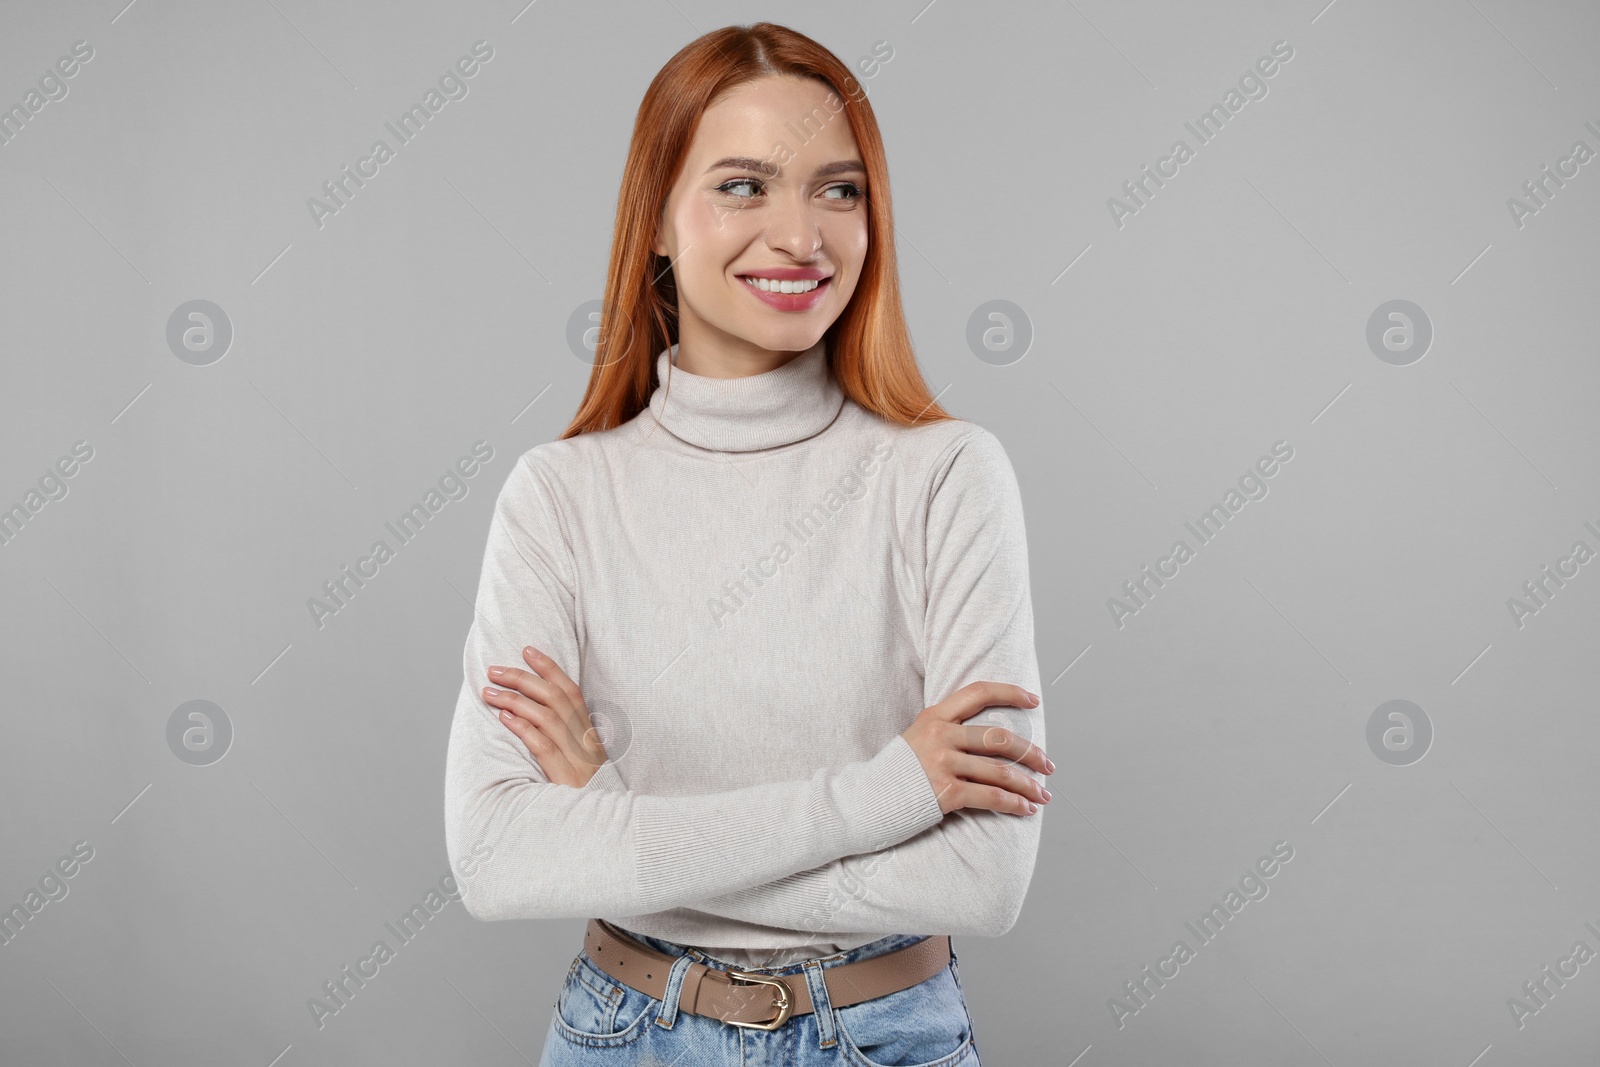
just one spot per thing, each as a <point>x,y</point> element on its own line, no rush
<point>752,202</point>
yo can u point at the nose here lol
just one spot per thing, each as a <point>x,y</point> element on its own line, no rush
<point>793,228</point>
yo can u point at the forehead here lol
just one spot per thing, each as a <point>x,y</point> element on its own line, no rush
<point>784,118</point>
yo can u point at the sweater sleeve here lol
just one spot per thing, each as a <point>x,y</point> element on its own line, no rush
<point>969,873</point>
<point>543,850</point>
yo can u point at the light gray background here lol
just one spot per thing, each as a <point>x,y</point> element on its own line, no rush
<point>1229,313</point>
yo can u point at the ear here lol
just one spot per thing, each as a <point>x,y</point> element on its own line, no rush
<point>659,245</point>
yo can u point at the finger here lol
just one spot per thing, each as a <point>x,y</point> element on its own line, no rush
<point>974,697</point>
<point>529,684</point>
<point>556,727</point>
<point>991,798</point>
<point>552,672</point>
<point>558,691</point>
<point>544,693</point>
<point>586,747</point>
<point>1004,744</point>
<point>1008,776</point>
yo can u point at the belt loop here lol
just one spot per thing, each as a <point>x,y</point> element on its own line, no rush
<point>821,1004</point>
<point>669,998</point>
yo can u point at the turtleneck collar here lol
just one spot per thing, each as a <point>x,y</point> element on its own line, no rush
<point>777,407</point>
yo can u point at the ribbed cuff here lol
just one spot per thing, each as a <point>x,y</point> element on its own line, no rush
<point>896,799</point>
<point>607,778</point>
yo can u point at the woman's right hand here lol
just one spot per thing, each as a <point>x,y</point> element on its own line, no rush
<point>974,766</point>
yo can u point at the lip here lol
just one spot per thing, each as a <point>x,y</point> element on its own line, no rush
<point>787,274</point>
<point>790,301</point>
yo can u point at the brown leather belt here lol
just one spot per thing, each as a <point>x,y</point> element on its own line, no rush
<point>744,998</point>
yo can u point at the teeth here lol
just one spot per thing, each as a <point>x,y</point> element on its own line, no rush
<point>767,285</point>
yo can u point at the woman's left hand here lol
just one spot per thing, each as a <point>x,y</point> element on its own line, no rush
<point>546,710</point>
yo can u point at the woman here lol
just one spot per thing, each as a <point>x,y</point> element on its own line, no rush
<point>789,580</point>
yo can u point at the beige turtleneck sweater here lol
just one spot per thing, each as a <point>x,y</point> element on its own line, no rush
<point>758,585</point>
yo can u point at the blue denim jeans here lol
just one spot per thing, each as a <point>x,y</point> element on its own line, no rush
<point>599,1020</point>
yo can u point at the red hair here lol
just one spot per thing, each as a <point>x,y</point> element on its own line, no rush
<point>869,345</point>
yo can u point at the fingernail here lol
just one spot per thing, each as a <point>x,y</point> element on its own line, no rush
<point>1035,697</point>
<point>1032,808</point>
<point>1046,793</point>
<point>495,672</point>
<point>1050,765</point>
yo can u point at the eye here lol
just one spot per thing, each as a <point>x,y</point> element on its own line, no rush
<point>727,187</point>
<point>851,190</point>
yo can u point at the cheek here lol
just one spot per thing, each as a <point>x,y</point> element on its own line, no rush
<point>848,240</point>
<point>714,225</point>
<point>704,282</point>
<point>849,245</point>
<point>711,241</point>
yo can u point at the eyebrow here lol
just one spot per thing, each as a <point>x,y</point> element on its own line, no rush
<point>762,166</point>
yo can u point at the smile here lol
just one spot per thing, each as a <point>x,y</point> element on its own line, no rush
<point>768,285</point>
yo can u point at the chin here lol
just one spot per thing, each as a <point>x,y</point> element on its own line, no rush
<point>790,340</point>
<point>785,332</point>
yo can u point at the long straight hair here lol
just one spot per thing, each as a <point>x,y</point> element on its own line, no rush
<point>869,345</point>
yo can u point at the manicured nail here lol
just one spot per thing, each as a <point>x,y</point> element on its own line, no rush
<point>1050,765</point>
<point>1032,808</point>
<point>495,672</point>
<point>1046,793</point>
